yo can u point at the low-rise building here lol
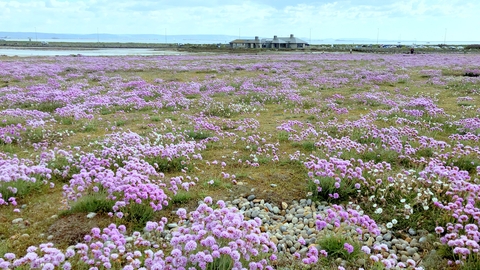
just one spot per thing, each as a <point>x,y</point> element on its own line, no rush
<point>271,43</point>
<point>246,43</point>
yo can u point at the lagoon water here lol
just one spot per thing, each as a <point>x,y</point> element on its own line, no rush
<point>91,52</point>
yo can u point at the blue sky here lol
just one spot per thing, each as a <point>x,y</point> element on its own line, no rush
<point>427,20</point>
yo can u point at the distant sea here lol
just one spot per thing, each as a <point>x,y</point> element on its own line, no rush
<point>226,40</point>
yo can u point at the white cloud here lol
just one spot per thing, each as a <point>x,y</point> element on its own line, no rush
<point>419,19</point>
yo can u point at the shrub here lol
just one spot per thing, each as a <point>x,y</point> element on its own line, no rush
<point>338,246</point>
<point>165,165</point>
<point>20,188</point>
<point>198,135</point>
<point>283,136</point>
<point>96,203</point>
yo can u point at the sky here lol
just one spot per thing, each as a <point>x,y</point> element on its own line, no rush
<point>422,20</point>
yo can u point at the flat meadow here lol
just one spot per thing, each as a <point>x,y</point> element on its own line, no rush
<point>269,161</point>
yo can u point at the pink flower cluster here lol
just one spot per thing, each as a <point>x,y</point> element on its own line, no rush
<point>210,236</point>
<point>15,169</point>
<point>338,215</point>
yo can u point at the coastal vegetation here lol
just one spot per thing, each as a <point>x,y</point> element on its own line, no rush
<point>217,161</point>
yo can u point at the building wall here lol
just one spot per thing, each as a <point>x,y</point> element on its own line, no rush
<point>268,45</point>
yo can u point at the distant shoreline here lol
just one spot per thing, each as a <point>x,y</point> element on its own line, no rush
<point>82,45</point>
<point>225,48</point>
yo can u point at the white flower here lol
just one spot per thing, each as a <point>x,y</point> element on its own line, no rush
<point>389,225</point>
<point>407,206</point>
<point>379,211</point>
<point>434,199</point>
<point>402,200</point>
<point>394,221</point>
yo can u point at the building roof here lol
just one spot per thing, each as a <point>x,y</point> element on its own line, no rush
<point>283,40</point>
<point>242,41</point>
<point>277,40</point>
<point>292,40</point>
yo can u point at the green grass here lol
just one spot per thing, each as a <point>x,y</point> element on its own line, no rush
<point>8,121</point>
<point>167,166</point>
<point>35,135</point>
<point>48,106</point>
<point>467,163</point>
<point>138,215</point>
<point>283,136</point>
<point>345,192</point>
<point>89,127</point>
<point>155,118</point>
<point>182,197</point>
<point>120,123</point>
<point>333,244</point>
<point>217,183</point>
<point>198,135</point>
<point>67,120</point>
<point>60,164</point>
<point>96,203</point>
<point>135,214</point>
<point>23,188</point>
<point>306,146</point>
<point>9,148</point>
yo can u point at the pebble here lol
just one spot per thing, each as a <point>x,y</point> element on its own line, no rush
<point>400,246</point>
<point>287,223</point>
<point>172,225</point>
<point>414,243</point>
<point>387,237</point>
<point>91,215</point>
<point>50,237</point>
<point>411,251</point>
<point>416,257</point>
<point>17,221</point>
<point>422,240</point>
